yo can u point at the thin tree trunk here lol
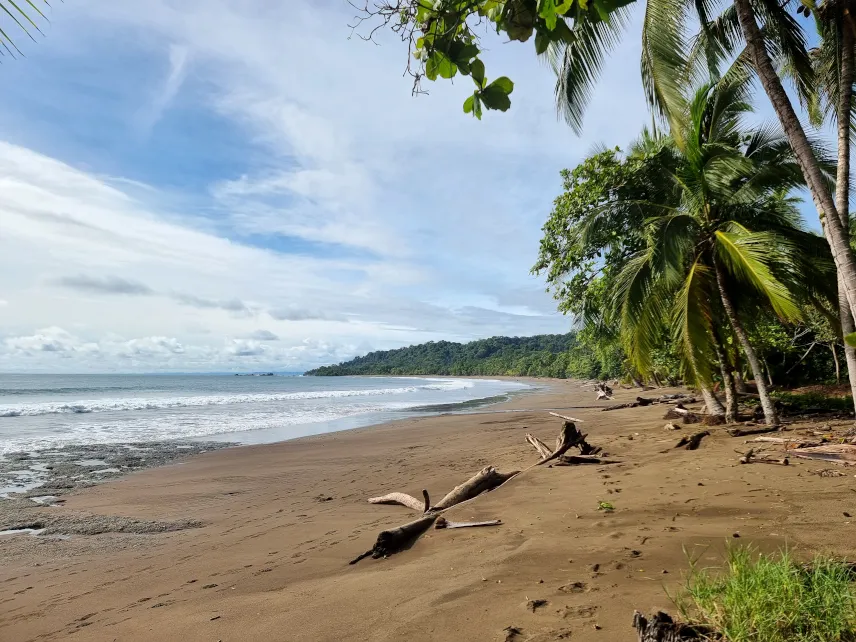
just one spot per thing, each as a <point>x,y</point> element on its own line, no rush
<point>842,193</point>
<point>837,366</point>
<point>769,372</point>
<point>739,381</point>
<point>764,395</point>
<point>727,384</point>
<point>714,406</point>
<point>839,244</point>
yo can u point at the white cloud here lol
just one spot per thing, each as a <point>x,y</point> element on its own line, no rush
<point>353,218</point>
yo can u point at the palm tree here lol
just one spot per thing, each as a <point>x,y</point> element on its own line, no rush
<point>721,227</point>
<point>832,100</point>
<point>665,47</point>
<point>24,14</point>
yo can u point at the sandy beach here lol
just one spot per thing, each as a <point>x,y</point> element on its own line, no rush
<point>280,522</point>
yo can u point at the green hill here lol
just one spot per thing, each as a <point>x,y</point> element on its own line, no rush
<point>544,355</point>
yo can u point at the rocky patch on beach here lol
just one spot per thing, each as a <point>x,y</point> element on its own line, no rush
<point>32,484</point>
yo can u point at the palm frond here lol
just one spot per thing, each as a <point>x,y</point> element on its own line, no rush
<point>578,64</point>
<point>692,324</point>
<point>23,14</point>
<point>665,65</point>
<point>640,303</point>
<point>747,256</point>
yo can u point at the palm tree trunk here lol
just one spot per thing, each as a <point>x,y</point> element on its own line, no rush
<point>727,384</point>
<point>757,372</point>
<point>714,406</point>
<point>821,195</point>
<point>842,192</point>
<point>739,382</point>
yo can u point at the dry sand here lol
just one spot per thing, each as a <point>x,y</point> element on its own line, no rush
<point>282,521</point>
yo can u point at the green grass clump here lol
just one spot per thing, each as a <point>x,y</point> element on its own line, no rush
<point>761,598</point>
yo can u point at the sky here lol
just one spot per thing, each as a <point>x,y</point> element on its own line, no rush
<point>241,185</point>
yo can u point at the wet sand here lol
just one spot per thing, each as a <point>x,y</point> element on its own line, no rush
<point>270,531</point>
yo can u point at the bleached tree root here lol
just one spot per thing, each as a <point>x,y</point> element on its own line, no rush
<point>662,628</point>
<point>404,500</point>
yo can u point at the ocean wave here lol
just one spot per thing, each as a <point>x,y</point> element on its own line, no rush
<point>164,403</point>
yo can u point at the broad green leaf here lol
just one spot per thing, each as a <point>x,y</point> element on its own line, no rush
<point>503,84</point>
<point>850,339</point>
<point>542,41</point>
<point>477,71</point>
<point>468,105</point>
<point>495,98</point>
<point>547,10</point>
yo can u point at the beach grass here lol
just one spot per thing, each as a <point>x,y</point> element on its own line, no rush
<point>772,598</point>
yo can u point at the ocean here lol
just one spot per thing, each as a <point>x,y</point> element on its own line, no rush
<point>41,412</point>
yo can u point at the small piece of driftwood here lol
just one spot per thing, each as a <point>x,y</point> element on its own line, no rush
<point>671,426</point>
<point>662,628</point>
<point>442,522</point>
<point>692,442</point>
<point>794,442</point>
<point>750,457</point>
<point>556,414</point>
<point>834,453</point>
<point>760,430</point>
<point>576,460</point>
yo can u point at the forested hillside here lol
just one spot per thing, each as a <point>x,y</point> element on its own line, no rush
<point>539,356</point>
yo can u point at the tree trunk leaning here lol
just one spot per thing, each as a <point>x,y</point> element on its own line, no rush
<point>770,415</point>
<point>837,238</point>
<point>842,190</point>
<point>714,406</point>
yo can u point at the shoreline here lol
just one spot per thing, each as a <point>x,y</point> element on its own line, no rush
<point>254,542</point>
<point>45,475</point>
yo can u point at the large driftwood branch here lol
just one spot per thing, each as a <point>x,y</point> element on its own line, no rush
<point>662,628</point>
<point>397,539</point>
<point>404,500</point>
<point>486,479</point>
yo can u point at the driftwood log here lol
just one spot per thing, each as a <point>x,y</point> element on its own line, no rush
<point>693,442</point>
<point>398,539</point>
<point>662,628</point>
<point>486,479</point>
